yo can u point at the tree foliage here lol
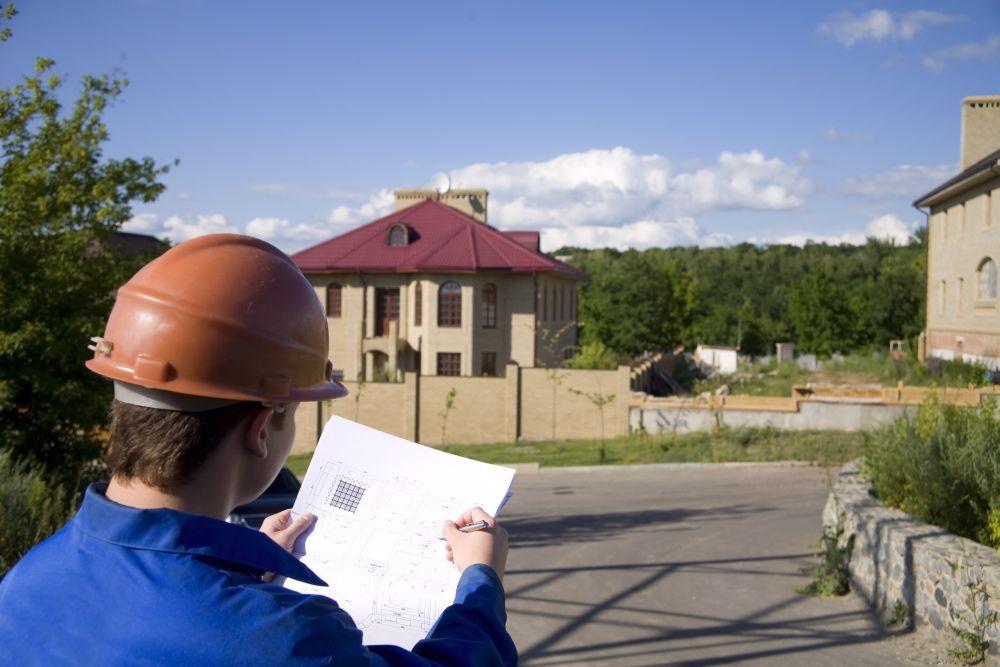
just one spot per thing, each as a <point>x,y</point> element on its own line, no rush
<point>634,301</point>
<point>61,200</point>
<point>824,298</point>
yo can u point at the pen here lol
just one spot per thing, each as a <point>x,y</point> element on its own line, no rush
<point>472,527</point>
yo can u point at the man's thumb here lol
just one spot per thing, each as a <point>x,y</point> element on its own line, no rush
<point>300,524</point>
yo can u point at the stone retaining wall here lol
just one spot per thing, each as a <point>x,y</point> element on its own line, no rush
<point>895,558</point>
<point>787,414</point>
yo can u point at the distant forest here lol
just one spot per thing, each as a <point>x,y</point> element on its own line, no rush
<point>824,298</point>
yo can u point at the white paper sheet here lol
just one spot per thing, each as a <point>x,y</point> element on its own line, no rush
<point>379,503</point>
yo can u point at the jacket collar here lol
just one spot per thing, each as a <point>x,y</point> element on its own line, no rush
<point>176,532</point>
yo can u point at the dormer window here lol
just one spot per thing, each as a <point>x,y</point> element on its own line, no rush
<point>398,236</point>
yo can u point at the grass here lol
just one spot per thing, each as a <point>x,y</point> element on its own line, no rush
<point>832,575</point>
<point>744,444</point>
<point>777,379</point>
<point>757,380</point>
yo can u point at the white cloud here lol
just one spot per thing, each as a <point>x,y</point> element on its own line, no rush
<point>879,25</point>
<point>888,227</point>
<point>378,205</point>
<point>277,230</point>
<point>143,223</point>
<point>641,234</point>
<point>985,51</point>
<point>836,136</point>
<point>615,196</point>
<point>178,229</point>
<point>905,180</point>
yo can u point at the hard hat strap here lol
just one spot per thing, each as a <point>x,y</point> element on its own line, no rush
<point>133,394</point>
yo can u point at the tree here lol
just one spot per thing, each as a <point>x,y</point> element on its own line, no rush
<point>820,312</point>
<point>636,302</point>
<point>60,201</point>
<point>754,296</point>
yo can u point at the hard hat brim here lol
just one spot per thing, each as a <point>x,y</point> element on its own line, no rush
<point>321,391</point>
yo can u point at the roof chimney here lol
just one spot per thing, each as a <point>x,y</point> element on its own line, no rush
<point>980,128</point>
<point>470,201</point>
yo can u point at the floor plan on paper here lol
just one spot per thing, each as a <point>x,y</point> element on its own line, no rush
<point>379,503</point>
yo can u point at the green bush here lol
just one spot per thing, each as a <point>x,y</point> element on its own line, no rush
<point>936,372</point>
<point>31,508</point>
<point>594,355</point>
<point>942,466</point>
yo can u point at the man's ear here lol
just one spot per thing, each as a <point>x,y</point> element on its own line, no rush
<point>255,440</point>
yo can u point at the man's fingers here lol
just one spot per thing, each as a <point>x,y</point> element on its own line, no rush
<point>449,530</point>
<point>276,522</point>
<point>299,526</point>
<point>476,514</point>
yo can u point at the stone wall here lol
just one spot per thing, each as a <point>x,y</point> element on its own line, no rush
<point>786,414</point>
<point>895,558</point>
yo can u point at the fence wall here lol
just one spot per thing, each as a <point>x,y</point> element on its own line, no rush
<point>526,403</point>
<point>542,404</point>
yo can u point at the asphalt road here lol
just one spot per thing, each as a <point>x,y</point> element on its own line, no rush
<point>694,567</point>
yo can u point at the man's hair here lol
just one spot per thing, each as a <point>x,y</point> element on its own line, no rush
<point>163,448</point>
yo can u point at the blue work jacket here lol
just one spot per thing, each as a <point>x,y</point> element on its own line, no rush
<point>123,586</point>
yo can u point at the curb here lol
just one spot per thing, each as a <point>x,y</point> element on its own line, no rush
<point>535,468</point>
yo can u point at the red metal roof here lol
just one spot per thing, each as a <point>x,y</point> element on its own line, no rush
<point>530,240</point>
<point>441,239</point>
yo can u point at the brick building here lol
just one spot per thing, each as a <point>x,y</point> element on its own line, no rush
<point>433,288</point>
<point>963,244</point>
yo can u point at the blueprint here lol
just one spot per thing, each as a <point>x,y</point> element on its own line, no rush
<point>379,503</point>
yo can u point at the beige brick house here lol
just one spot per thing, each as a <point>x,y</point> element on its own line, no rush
<point>963,241</point>
<point>433,288</point>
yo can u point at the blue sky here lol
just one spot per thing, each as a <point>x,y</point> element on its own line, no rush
<point>624,124</point>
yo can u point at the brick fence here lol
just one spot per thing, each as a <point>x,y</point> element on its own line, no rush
<point>527,403</point>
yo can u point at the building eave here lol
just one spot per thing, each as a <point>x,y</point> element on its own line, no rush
<point>980,172</point>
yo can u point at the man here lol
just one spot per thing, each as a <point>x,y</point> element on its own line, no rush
<point>211,347</point>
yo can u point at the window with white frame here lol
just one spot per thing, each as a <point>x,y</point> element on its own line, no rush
<point>987,279</point>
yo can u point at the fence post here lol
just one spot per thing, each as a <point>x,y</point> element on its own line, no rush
<point>512,402</point>
<point>623,392</point>
<point>411,405</point>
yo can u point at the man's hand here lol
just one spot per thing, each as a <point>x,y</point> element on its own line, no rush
<point>284,531</point>
<point>487,546</point>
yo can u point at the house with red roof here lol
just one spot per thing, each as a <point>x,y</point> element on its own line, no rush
<point>434,288</point>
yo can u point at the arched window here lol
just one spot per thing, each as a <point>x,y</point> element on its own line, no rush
<point>489,306</point>
<point>397,236</point>
<point>333,300</point>
<point>987,279</point>
<point>450,305</point>
<point>418,305</point>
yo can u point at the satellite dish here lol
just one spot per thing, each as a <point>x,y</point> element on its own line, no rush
<point>441,183</point>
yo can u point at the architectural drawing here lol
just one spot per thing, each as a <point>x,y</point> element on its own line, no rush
<point>378,522</point>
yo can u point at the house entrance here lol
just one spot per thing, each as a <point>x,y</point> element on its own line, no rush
<point>386,309</point>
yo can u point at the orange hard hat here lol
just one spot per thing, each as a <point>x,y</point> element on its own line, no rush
<point>221,316</point>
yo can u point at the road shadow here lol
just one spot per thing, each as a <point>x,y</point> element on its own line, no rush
<point>553,530</point>
<point>783,628</point>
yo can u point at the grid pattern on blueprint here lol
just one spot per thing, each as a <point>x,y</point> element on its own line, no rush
<point>347,496</point>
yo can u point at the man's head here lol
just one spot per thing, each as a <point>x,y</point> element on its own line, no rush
<point>206,345</point>
<point>168,449</point>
